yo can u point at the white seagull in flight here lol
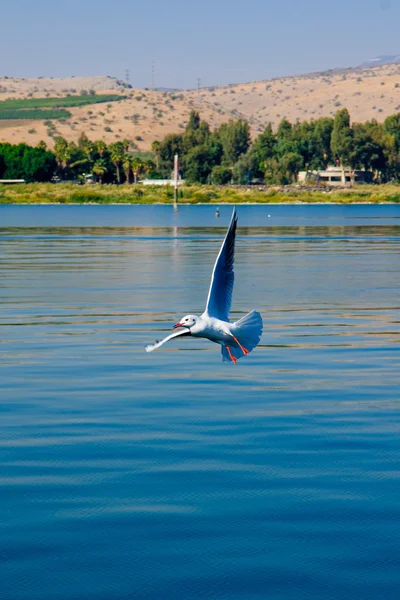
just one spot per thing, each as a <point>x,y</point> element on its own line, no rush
<point>237,339</point>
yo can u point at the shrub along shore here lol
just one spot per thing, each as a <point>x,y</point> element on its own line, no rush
<point>48,193</point>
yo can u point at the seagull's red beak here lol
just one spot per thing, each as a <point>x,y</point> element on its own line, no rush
<point>178,325</point>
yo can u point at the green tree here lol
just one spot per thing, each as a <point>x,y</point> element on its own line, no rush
<point>172,144</point>
<point>342,140</point>
<point>391,126</point>
<point>137,167</point>
<point>286,139</point>
<point>100,169</point>
<point>101,148</point>
<point>62,153</point>
<point>155,146</point>
<point>148,166</point>
<point>25,162</point>
<point>2,166</point>
<point>221,175</point>
<point>125,145</point>
<point>322,137</point>
<point>116,156</point>
<point>235,140</point>
<point>196,133</point>
<point>264,146</point>
<point>290,165</point>
<point>199,163</point>
<point>245,168</point>
<point>194,121</point>
<point>273,173</point>
<point>89,150</point>
<point>367,153</point>
<point>127,165</point>
<point>83,140</point>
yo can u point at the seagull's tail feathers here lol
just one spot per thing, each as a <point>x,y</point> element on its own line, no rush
<point>248,331</point>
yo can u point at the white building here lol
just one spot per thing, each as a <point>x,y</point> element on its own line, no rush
<point>162,182</point>
<point>334,175</point>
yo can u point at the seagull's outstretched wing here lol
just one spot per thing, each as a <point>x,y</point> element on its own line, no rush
<point>221,288</point>
<point>181,331</point>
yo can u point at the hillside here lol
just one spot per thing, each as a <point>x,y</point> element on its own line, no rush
<point>143,116</point>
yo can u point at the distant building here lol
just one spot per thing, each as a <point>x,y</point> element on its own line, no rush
<point>11,181</point>
<point>333,176</point>
<point>161,182</point>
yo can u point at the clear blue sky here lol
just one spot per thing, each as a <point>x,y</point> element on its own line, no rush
<point>220,41</point>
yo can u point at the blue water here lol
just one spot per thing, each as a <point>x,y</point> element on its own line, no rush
<point>172,475</point>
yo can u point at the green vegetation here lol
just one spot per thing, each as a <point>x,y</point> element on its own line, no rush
<point>227,155</point>
<point>24,162</point>
<point>50,108</point>
<point>67,101</point>
<point>116,163</point>
<point>36,114</point>
<point>221,157</point>
<point>64,193</point>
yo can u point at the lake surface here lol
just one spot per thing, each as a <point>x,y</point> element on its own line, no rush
<point>174,475</point>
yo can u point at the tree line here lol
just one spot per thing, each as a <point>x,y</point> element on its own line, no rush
<point>113,163</point>
<point>221,156</point>
<point>227,154</point>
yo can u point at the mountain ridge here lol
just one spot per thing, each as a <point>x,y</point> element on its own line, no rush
<point>145,115</point>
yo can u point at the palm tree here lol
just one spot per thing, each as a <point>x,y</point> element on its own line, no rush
<point>116,156</point>
<point>83,140</point>
<point>100,169</point>
<point>101,148</point>
<point>148,166</point>
<point>156,151</point>
<point>137,166</point>
<point>89,148</point>
<point>125,144</point>
<point>63,153</point>
<point>126,164</point>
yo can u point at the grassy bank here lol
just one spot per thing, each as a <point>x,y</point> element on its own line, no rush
<point>47,193</point>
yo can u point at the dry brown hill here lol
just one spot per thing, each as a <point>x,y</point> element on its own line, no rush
<point>144,116</point>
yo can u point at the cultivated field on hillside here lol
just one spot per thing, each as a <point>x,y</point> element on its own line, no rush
<point>145,115</point>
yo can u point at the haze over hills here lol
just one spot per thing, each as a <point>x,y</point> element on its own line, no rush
<point>144,115</point>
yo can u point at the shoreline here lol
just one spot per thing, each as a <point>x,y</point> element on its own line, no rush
<point>210,204</point>
<point>72,194</point>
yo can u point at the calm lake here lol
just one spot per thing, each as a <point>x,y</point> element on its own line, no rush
<point>127,475</point>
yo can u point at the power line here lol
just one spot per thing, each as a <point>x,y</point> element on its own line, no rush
<point>127,75</point>
<point>198,85</point>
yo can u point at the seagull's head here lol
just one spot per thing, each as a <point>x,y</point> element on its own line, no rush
<point>187,321</point>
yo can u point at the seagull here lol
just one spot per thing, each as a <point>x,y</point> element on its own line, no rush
<point>236,339</point>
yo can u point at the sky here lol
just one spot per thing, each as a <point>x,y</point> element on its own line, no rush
<point>218,41</point>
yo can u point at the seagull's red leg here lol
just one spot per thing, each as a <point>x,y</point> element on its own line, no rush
<point>233,359</point>
<point>245,352</point>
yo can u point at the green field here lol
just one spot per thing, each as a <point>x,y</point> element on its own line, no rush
<point>50,108</point>
<point>37,114</point>
<point>47,193</point>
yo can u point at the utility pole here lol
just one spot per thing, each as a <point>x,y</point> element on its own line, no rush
<point>176,178</point>
<point>198,86</point>
<point>127,74</point>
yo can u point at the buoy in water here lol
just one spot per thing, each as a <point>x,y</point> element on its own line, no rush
<point>217,213</point>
